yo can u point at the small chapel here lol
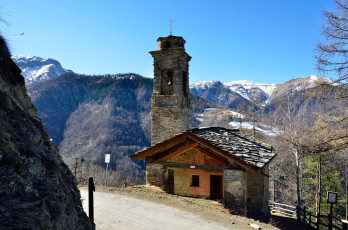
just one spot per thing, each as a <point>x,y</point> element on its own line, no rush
<point>212,162</point>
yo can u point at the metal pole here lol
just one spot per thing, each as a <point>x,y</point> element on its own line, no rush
<point>106,174</point>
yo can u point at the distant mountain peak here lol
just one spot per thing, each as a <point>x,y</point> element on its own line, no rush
<point>37,69</point>
<point>227,93</point>
<point>244,88</point>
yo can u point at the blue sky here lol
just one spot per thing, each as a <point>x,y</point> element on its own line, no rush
<point>269,41</point>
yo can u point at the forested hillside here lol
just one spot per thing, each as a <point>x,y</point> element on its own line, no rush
<point>90,116</point>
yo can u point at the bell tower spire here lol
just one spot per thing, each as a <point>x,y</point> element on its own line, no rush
<point>170,107</point>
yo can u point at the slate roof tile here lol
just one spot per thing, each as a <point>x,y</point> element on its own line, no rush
<point>238,144</point>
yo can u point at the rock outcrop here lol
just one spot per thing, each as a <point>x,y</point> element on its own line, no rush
<point>37,189</point>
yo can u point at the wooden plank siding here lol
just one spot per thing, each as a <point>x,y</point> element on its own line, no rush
<point>193,166</point>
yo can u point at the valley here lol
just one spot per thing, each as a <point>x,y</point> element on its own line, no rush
<point>88,116</point>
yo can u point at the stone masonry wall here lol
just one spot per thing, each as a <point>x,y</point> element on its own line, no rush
<point>255,193</point>
<point>170,111</point>
<point>181,175</point>
<point>265,208</point>
<point>167,122</point>
<point>235,190</point>
<point>155,174</point>
<point>180,181</point>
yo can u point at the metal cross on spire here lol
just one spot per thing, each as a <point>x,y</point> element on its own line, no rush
<point>170,25</point>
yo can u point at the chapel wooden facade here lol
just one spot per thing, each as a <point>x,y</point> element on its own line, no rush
<point>213,162</point>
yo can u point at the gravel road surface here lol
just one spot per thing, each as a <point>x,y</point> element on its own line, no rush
<point>113,211</point>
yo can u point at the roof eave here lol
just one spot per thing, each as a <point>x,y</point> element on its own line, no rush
<point>268,162</point>
<point>141,155</point>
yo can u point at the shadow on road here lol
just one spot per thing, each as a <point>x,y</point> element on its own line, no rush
<point>286,223</point>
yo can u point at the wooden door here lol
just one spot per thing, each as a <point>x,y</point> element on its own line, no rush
<point>170,181</point>
<point>215,187</point>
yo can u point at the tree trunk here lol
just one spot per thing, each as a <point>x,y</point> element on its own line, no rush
<point>346,192</point>
<point>297,178</point>
<point>254,124</point>
<point>318,195</point>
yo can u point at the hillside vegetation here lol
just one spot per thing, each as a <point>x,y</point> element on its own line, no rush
<point>90,116</point>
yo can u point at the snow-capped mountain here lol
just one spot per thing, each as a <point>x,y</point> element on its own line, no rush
<point>237,94</point>
<point>37,69</point>
<point>243,88</point>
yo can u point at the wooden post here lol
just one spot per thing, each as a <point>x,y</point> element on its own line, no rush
<point>318,220</point>
<point>298,213</point>
<point>76,164</point>
<point>330,217</point>
<point>91,189</point>
<point>344,224</point>
<point>274,185</point>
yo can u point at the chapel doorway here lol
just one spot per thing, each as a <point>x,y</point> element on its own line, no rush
<point>215,187</point>
<point>170,181</point>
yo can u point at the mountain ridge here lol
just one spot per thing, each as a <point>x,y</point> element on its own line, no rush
<point>230,94</point>
<point>89,115</point>
<point>36,69</point>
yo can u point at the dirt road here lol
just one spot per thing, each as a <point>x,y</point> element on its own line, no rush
<point>113,211</point>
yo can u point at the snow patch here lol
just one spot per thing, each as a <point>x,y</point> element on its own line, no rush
<point>235,114</point>
<point>249,125</point>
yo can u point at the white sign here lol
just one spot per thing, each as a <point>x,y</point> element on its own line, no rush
<point>107,158</point>
<point>332,197</point>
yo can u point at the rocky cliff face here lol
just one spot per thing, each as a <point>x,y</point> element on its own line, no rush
<point>37,190</point>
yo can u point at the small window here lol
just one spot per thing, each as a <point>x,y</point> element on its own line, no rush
<point>195,181</point>
<point>167,44</point>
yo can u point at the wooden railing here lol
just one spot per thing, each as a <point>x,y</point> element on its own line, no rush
<point>284,209</point>
<point>312,221</point>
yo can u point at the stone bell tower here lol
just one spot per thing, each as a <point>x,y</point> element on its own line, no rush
<point>170,108</point>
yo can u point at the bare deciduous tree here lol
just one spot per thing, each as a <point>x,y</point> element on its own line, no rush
<point>332,53</point>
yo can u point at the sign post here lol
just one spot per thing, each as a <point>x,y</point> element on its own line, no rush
<point>331,199</point>
<point>91,189</point>
<point>107,161</point>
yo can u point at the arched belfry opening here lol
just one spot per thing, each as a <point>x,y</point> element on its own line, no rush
<point>185,87</point>
<point>170,108</point>
<point>167,82</point>
<point>167,44</point>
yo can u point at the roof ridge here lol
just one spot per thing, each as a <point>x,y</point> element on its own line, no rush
<point>244,135</point>
<point>248,149</point>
